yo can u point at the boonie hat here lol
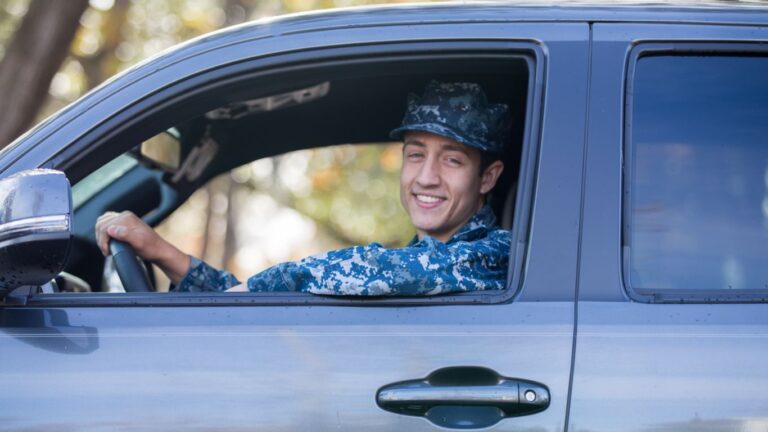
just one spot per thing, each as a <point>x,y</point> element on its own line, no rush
<point>459,111</point>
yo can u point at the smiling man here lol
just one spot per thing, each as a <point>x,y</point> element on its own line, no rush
<point>452,139</point>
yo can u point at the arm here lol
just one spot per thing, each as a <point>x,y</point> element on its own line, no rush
<point>187,273</point>
<point>201,277</point>
<point>428,268</point>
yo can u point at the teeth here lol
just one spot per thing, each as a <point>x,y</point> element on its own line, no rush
<point>427,199</point>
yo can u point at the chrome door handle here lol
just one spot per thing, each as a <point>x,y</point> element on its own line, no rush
<point>464,397</point>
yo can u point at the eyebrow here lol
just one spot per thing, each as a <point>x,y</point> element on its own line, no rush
<point>454,147</point>
<point>412,142</point>
<point>446,146</point>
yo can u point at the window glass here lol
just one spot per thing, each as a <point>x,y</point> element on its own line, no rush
<point>86,188</point>
<point>698,173</point>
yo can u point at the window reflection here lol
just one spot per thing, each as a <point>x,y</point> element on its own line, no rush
<point>699,173</point>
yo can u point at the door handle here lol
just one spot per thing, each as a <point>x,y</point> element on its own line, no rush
<point>464,397</point>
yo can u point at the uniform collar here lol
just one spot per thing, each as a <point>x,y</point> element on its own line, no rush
<point>476,227</point>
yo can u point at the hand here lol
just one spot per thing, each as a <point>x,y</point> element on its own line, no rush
<point>147,244</point>
<point>129,228</point>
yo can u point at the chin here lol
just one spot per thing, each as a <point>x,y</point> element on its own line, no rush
<point>431,229</point>
<point>425,222</point>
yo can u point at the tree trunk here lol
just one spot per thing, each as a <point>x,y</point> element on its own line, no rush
<point>230,235</point>
<point>35,53</point>
<point>237,12</point>
<point>210,193</point>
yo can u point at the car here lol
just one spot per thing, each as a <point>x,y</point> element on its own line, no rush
<point>635,191</point>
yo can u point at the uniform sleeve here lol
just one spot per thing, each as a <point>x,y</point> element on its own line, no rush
<point>201,277</point>
<point>430,267</point>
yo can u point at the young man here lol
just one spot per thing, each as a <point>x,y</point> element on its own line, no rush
<point>452,138</point>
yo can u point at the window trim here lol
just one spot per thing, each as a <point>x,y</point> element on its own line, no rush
<point>660,48</point>
<point>530,51</point>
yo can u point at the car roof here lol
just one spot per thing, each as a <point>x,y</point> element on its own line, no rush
<point>738,12</point>
<point>706,12</point>
<point>677,11</point>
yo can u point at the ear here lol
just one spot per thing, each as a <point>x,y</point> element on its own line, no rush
<point>491,176</point>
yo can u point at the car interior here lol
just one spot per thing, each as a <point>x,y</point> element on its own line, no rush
<point>152,168</point>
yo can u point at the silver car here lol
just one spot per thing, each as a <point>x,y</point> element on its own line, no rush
<point>637,194</point>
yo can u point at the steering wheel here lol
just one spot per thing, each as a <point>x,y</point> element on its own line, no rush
<point>129,268</point>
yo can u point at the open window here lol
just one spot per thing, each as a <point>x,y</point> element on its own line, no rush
<point>294,123</point>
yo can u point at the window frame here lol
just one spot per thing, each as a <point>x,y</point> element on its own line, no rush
<point>671,49</point>
<point>528,50</point>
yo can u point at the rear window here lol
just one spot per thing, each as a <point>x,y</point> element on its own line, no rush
<point>696,217</point>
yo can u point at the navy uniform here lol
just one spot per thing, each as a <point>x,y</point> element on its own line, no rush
<point>474,258</point>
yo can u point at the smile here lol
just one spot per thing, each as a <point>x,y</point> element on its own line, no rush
<point>428,199</point>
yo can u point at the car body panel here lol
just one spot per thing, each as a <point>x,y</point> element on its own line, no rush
<point>271,368</point>
<point>666,367</point>
<point>652,366</point>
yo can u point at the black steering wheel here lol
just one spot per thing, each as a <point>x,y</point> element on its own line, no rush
<point>129,268</point>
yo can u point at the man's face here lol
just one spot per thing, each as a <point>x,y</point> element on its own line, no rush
<point>440,183</point>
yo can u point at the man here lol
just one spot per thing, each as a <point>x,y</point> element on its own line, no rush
<point>452,139</point>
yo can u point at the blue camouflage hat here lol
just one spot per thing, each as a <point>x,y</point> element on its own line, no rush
<point>459,111</point>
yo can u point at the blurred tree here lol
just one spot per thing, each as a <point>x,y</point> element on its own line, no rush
<point>354,194</point>
<point>101,63</point>
<point>236,12</point>
<point>11,13</point>
<point>33,55</point>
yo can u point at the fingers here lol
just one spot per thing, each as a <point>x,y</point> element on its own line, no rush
<point>100,229</point>
<point>114,225</point>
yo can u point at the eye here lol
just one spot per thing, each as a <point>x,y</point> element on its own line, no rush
<point>414,156</point>
<point>454,161</point>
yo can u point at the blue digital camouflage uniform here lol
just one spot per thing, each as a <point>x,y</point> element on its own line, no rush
<point>474,258</point>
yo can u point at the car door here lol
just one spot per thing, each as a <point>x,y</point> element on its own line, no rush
<point>672,320</point>
<point>299,362</point>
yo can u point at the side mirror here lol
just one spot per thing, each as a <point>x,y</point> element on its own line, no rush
<point>35,227</point>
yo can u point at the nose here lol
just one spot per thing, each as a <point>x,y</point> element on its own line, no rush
<point>429,173</point>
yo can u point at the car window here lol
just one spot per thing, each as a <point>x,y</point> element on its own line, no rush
<point>86,188</point>
<point>287,186</point>
<point>697,178</point>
